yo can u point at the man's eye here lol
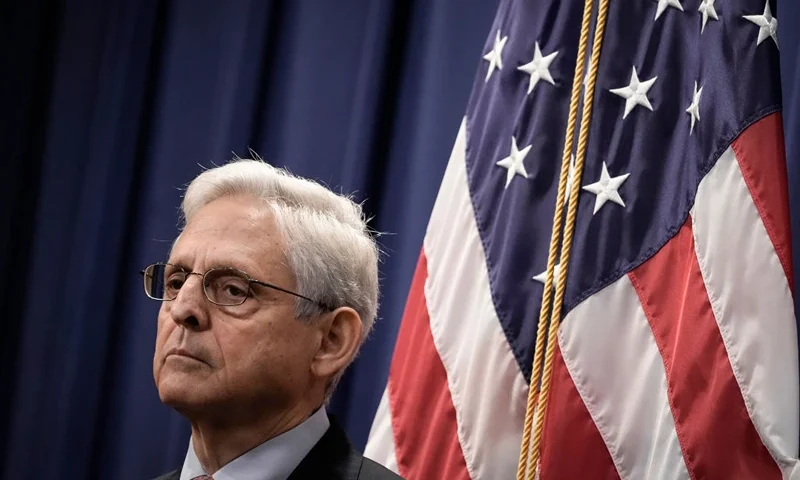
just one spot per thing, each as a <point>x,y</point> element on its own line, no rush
<point>226,287</point>
<point>235,291</point>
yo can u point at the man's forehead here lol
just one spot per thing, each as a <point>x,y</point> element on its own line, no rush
<point>233,230</point>
<point>232,212</point>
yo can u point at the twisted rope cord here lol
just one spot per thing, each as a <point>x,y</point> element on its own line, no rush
<point>570,228</point>
<point>529,454</point>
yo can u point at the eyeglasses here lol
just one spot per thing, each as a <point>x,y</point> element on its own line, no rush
<point>224,286</point>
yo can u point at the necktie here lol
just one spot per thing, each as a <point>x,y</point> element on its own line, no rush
<point>203,477</point>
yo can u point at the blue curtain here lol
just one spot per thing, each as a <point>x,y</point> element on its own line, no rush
<point>109,107</point>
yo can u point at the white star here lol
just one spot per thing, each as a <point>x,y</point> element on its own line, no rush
<point>768,24</point>
<point>707,9</point>
<point>585,85</point>
<point>635,93</point>
<point>495,55</point>
<point>606,189</point>
<point>694,107</point>
<point>513,163</point>
<point>542,277</point>
<point>539,68</point>
<point>570,178</point>
<point>663,4</point>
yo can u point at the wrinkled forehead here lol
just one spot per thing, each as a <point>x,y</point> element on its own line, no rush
<point>235,232</point>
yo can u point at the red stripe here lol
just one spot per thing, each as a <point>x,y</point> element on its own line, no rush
<point>572,447</point>
<point>762,159</point>
<point>423,416</point>
<point>716,434</point>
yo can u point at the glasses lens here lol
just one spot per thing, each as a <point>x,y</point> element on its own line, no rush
<point>227,286</point>
<point>162,281</point>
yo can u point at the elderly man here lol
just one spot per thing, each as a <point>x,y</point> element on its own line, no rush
<point>269,291</point>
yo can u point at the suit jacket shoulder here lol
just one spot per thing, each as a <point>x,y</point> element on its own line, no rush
<point>372,470</point>
<point>334,458</point>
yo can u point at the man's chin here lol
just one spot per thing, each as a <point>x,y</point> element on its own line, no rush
<point>177,390</point>
<point>191,402</point>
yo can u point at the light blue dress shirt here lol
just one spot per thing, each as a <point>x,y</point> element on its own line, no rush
<point>274,459</point>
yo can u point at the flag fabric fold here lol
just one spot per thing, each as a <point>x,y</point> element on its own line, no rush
<point>677,351</point>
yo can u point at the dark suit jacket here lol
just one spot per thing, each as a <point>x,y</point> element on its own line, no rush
<point>332,458</point>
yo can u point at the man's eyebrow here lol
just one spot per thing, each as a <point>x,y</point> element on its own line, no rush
<point>179,263</point>
<point>230,263</point>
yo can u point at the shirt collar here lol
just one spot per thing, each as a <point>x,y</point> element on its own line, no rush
<point>274,459</point>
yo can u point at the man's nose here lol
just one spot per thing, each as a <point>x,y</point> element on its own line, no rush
<point>190,307</point>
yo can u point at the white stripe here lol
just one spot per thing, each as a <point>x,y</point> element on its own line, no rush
<point>380,446</point>
<point>752,304</point>
<point>487,387</point>
<point>613,359</point>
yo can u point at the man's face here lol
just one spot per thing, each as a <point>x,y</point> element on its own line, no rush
<point>211,359</point>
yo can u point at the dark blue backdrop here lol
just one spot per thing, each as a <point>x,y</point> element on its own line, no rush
<point>106,108</point>
<point>109,106</point>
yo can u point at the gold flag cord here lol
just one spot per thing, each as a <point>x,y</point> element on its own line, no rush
<point>537,401</point>
<point>533,390</point>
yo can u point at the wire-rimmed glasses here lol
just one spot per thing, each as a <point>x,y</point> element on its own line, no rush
<point>224,286</point>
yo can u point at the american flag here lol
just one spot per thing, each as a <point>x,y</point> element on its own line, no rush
<point>677,350</point>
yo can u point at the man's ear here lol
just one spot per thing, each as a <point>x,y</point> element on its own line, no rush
<point>341,337</point>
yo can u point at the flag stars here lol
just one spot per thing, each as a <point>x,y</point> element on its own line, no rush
<point>495,55</point>
<point>539,68</point>
<point>707,9</point>
<point>607,188</point>
<point>694,107</point>
<point>570,178</point>
<point>635,93</point>
<point>663,4</point>
<point>514,162</point>
<point>586,87</point>
<point>768,25</point>
<point>542,277</point>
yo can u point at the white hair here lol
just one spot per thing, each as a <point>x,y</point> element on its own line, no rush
<point>327,243</point>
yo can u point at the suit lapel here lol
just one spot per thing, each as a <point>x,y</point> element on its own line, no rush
<point>332,458</point>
